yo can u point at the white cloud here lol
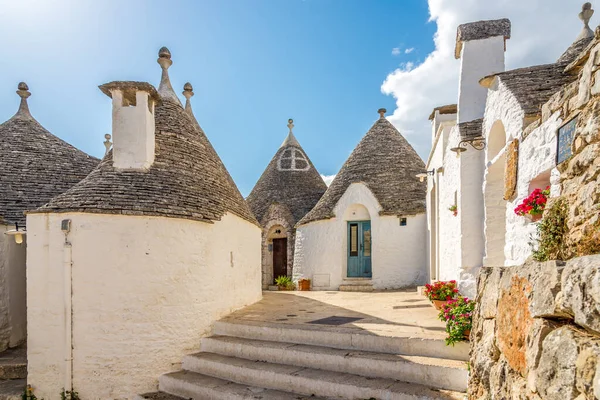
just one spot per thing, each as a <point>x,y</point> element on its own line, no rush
<point>396,51</point>
<point>409,50</point>
<point>328,179</point>
<point>541,31</point>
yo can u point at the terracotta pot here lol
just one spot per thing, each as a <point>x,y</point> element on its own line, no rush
<point>533,217</point>
<point>438,304</point>
<point>304,284</point>
<point>467,334</point>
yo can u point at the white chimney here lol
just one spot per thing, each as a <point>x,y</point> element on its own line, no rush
<point>480,46</point>
<point>132,123</point>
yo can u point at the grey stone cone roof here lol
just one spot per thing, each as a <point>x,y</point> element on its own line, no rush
<point>187,179</point>
<point>35,165</point>
<point>574,50</point>
<point>533,86</point>
<point>471,129</point>
<point>297,190</point>
<point>387,164</point>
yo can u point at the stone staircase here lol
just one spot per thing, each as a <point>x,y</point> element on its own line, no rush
<point>269,361</point>
<point>356,285</point>
<point>13,373</point>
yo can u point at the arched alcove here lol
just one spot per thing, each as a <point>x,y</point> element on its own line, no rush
<point>495,205</point>
<point>496,140</point>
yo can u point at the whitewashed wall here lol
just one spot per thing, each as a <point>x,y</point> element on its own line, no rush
<point>13,308</point>
<point>399,253</point>
<point>537,160</point>
<point>145,290</point>
<point>479,58</point>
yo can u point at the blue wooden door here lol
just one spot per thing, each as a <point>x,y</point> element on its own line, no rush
<point>359,249</point>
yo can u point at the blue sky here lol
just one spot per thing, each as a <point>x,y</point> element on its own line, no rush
<point>329,64</point>
<point>253,65</point>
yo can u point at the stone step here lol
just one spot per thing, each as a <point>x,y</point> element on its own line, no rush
<point>355,288</point>
<point>192,385</point>
<point>308,381</point>
<point>336,338</point>
<point>12,389</point>
<point>13,363</point>
<point>433,372</point>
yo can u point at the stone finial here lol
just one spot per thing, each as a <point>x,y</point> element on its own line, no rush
<point>382,112</point>
<point>188,92</point>
<point>165,89</point>
<point>585,15</point>
<point>23,92</point>
<point>107,143</point>
<point>290,125</point>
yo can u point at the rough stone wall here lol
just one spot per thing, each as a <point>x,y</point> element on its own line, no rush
<point>536,331</point>
<point>277,216</point>
<point>579,180</point>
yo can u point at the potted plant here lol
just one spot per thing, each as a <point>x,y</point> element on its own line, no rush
<point>285,283</point>
<point>304,284</point>
<point>441,292</point>
<point>454,209</point>
<point>533,205</point>
<point>458,315</point>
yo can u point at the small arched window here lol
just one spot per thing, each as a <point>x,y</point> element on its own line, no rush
<point>292,160</point>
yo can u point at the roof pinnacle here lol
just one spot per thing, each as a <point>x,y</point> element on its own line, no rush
<point>382,112</point>
<point>165,89</point>
<point>585,15</point>
<point>188,92</point>
<point>23,92</point>
<point>290,125</point>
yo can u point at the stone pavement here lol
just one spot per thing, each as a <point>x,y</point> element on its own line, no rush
<point>392,314</point>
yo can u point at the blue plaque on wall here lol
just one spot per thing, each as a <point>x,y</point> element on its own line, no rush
<point>565,140</point>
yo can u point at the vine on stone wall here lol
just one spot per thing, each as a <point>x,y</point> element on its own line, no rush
<point>552,230</point>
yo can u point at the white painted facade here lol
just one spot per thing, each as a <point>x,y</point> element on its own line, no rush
<point>509,235</point>
<point>13,308</point>
<point>399,256</point>
<point>144,291</point>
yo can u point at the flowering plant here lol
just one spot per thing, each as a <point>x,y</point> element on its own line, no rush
<point>535,203</point>
<point>441,290</point>
<point>454,209</point>
<point>458,316</point>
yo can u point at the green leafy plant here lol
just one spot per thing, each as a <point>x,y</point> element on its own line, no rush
<point>454,209</point>
<point>441,290</point>
<point>69,395</point>
<point>458,315</point>
<point>551,233</point>
<point>285,282</point>
<point>28,394</point>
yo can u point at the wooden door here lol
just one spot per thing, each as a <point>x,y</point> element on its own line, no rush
<point>359,249</point>
<point>279,258</point>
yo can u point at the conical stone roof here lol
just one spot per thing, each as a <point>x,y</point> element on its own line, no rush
<point>584,38</point>
<point>187,179</point>
<point>290,180</point>
<point>387,164</point>
<point>35,165</point>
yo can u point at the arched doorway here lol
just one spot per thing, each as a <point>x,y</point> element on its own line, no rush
<point>277,241</point>
<point>360,242</point>
<point>495,205</point>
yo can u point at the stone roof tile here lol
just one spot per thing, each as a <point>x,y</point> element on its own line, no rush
<point>297,189</point>
<point>187,179</point>
<point>35,165</point>
<point>481,30</point>
<point>387,164</point>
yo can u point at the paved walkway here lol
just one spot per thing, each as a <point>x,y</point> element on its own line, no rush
<point>392,314</point>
